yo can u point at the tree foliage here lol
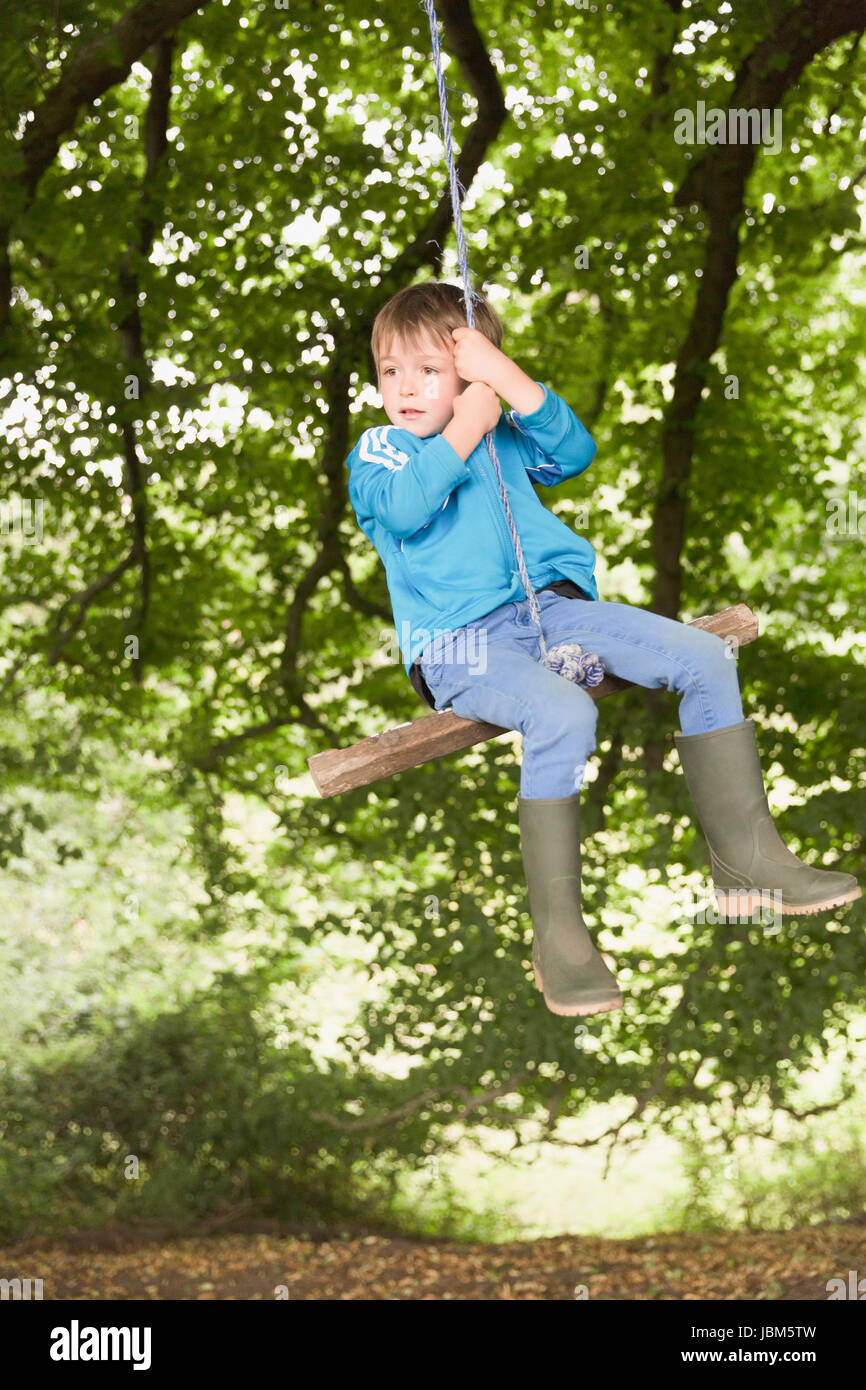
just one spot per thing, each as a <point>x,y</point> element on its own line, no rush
<point>204,209</point>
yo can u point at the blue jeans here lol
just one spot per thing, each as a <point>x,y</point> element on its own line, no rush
<point>491,670</point>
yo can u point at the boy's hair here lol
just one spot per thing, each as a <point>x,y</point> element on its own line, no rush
<point>433,305</point>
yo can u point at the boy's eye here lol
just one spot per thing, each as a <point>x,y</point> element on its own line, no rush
<point>389,370</point>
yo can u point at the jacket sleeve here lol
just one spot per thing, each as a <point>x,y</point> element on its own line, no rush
<point>556,444</point>
<point>401,480</point>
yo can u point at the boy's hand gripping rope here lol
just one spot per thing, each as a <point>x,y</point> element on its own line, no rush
<point>565,660</point>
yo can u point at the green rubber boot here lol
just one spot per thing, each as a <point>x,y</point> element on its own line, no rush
<point>568,969</point>
<point>750,865</point>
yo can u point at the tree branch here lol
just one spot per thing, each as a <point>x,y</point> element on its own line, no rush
<point>717,182</point>
<point>129,327</point>
<point>91,70</point>
<point>84,599</point>
<point>661,62</point>
<point>472,1102</point>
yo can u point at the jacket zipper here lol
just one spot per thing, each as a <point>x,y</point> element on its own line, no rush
<point>499,519</point>
<point>407,571</point>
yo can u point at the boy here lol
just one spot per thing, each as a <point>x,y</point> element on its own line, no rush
<point>406,513</point>
<point>424,491</point>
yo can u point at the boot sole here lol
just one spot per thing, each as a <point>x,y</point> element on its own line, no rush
<point>576,1010</point>
<point>737,905</point>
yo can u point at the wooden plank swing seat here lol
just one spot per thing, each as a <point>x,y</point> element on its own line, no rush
<point>433,736</point>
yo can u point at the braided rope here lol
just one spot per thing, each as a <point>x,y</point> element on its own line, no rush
<point>565,660</point>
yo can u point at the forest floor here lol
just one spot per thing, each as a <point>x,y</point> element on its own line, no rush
<point>352,1264</point>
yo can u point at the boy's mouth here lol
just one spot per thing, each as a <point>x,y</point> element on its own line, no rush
<point>410,412</point>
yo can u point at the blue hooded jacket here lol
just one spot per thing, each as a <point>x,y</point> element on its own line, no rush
<point>440,528</point>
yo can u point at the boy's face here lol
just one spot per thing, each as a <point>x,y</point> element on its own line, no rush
<point>422,380</point>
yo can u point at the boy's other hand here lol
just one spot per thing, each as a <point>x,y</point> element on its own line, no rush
<point>477,405</point>
<point>475,357</point>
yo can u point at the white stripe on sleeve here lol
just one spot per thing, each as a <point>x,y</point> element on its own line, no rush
<point>375,447</point>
